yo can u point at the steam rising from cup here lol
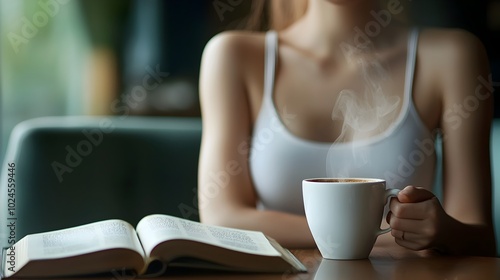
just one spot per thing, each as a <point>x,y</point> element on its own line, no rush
<point>364,114</point>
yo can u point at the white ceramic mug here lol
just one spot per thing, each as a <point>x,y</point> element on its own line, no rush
<point>344,214</point>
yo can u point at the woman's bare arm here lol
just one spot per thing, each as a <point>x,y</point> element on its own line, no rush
<point>466,121</point>
<point>225,191</point>
<point>462,224</point>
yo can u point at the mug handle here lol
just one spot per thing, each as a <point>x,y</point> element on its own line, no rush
<point>388,193</point>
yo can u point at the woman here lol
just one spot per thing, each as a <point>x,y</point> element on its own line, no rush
<point>277,109</point>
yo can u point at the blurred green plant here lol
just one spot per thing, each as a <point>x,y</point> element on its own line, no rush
<point>43,51</point>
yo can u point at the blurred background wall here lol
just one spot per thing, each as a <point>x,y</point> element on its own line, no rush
<point>141,57</point>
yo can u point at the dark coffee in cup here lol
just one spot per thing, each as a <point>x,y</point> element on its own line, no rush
<point>342,180</point>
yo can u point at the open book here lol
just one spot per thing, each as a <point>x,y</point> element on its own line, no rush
<point>158,242</point>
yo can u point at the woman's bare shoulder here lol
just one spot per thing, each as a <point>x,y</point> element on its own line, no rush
<point>239,45</point>
<point>231,65</point>
<point>450,44</point>
<point>451,55</point>
<point>235,57</point>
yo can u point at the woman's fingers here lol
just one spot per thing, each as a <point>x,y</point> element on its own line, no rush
<point>412,194</point>
<point>416,211</point>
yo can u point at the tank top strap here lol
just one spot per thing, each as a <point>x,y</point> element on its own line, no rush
<point>271,52</point>
<point>410,63</point>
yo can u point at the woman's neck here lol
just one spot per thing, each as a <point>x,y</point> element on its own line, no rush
<point>326,24</point>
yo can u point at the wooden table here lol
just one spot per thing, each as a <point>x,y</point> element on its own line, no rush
<point>387,261</point>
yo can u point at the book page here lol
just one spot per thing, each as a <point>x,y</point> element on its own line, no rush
<point>83,239</point>
<point>155,229</point>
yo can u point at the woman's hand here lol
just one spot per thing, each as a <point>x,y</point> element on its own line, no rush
<point>418,220</point>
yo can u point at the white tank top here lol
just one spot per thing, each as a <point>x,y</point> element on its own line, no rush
<point>279,160</point>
